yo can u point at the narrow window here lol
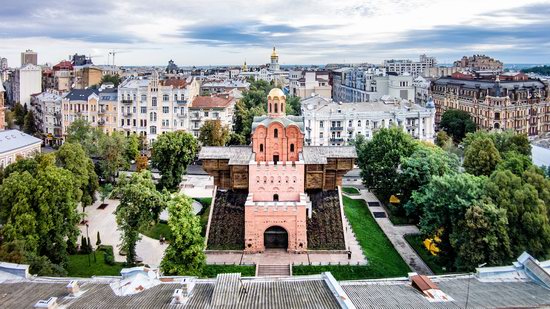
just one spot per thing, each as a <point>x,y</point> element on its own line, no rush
<point>276,108</point>
<point>275,197</point>
<point>291,147</point>
<point>261,147</point>
<point>276,132</point>
<point>282,109</point>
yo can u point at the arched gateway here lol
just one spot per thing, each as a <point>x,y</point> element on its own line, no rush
<point>276,237</point>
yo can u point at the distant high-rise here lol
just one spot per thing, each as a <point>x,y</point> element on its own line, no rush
<point>3,64</point>
<point>29,56</point>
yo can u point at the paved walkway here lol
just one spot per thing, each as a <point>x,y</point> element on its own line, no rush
<point>104,221</point>
<point>395,233</point>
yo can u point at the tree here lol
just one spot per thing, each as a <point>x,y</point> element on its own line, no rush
<point>379,159</point>
<point>105,191</point>
<point>418,169</point>
<point>213,133</point>
<point>172,152</point>
<point>113,153</point>
<point>142,162</point>
<point>293,106</point>
<point>505,141</point>
<point>525,200</point>
<point>236,139</point>
<point>115,79</point>
<point>19,113</point>
<point>442,139</point>
<point>132,147</point>
<point>457,123</point>
<point>73,158</point>
<point>140,204</point>
<point>442,204</point>
<point>515,162</point>
<point>29,124</point>
<point>483,237</point>
<point>9,119</point>
<point>81,132</point>
<point>481,157</point>
<point>184,255</point>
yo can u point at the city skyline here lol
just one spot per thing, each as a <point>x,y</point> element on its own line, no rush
<point>308,32</point>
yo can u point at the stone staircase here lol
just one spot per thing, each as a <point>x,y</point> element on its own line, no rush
<point>273,270</point>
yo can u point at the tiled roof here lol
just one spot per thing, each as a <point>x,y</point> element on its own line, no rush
<point>81,94</point>
<point>175,82</point>
<point>211,102</point>
<point>320,154</point>
<point>13,139</point>
<point>237,155</point>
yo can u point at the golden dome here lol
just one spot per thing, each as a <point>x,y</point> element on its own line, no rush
<point>276,92</point>
<point>274,53</point>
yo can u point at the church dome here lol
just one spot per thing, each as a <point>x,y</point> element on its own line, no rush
<point>276,92</point>
<point>274,53</point>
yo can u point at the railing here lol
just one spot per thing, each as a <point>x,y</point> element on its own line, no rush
<point>336,128</point>
<point>336,139</point>
<point>182,115</point>
<point>101,122</point>
<point>127,114</point>
<point>102,111</point>
<point>181,101</point>
<point>127,101</point>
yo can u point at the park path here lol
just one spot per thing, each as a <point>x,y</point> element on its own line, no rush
<point>396,234</point>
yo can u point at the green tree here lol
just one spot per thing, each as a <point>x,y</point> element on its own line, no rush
<point>113,153</point>
<point>481,157</point>
<point>172,152</point>
<point>19,113</point>
<point>132,147</point>
<point>9,119</point>
<point>140,204</point>
<point>293,106</point>
<point>213,133</point>
<point>105,191</point>
<point>29,124</point>
<point>81,132</point>
<point>505,141</point>
<point>184,255</point>
<point>525,203</point>
<point>380,157</point>
<point>236,139</point>
<point>482,237</point>
<point>442,204</point>
<point>73,158</point>
<point>442,139</point>
<point>515,162</point>
<point>418,169</point>
<point>115,79</point>
<point>457,123</point>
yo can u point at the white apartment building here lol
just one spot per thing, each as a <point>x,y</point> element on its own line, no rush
<point>303,84</point>
<point>27,81</point>
<point>408,66</point>
<point>148,107</point>
<point>215,107</point>
<point>370,84</point>
<point>421,90</point>
<point>47,107</point>
<point>328,123</point>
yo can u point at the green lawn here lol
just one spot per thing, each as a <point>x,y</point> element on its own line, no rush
<point>432,261</point>
<point>78,266</point>
<point>350,190</point>
<point>155,231</point>
<point>378,249</point>
<point>211,271</point>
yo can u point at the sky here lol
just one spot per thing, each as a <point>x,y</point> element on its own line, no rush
<point>209,32</point>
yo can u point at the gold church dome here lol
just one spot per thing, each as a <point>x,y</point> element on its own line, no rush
<point>274,53</point>
<point>276,92</point>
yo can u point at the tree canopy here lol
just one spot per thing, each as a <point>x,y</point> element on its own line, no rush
<point>457,123</point>
<point>481,157</point>
<point>213,133</point>
<point>172,153</point>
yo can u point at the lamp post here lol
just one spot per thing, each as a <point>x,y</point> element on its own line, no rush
<point>468,290</point>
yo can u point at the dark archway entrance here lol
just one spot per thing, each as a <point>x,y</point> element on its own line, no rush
<point>276,237</point>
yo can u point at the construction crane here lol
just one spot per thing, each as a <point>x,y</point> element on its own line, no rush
<point>114,52</point>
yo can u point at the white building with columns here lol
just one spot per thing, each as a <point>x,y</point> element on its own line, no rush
<point>328,123</point>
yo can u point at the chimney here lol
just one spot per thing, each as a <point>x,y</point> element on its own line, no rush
<point>72,288</point>
<point>187,285</point>
<point>50,303</point>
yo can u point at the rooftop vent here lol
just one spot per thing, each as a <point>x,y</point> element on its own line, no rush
<point>50,303</point>
<point>429,289</point>
<point>73,289</point>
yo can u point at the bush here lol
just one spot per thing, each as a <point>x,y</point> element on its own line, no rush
<point>108,256</point>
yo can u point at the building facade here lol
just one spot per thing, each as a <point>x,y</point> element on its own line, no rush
<point>29,57</point>
<point>108,110</point>
<point>215,107</point>
<point>328,123</point>
<point>414,68</point>
<point>508,101</point>
<point>80,104</point>
<point>276,170</point>
<point>2,107</point>
<point>305,83</point>
<point>27,81</point>
<point>421,90</point>
<point>47,107</point>
<point>479,63</point>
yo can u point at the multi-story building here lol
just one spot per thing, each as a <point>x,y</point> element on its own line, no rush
<point>370,84</point>
<point>305,83</point>
<point>222,86</point>
<point>508,101</point>
<point>3,63</point>
<point>479,63</point>
<point>414,68</point>
<point>214,107</point>
<point>80,104</point>
<point>152,106</point>
<point>2,107</point>
<point>108,110</point>
<point>47,108</point>
<point>87,76</point>
<point>328,123</point>
<point>29,57</point>
<point>15,144</point>
<point>421,90</point>
<point>27,81</point>
<point>63,75</point>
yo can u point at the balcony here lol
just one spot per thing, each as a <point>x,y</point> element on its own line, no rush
<point>101,122</point>
<point>181,115</point>
<point>181,101</point>
<point>336,128</point>
<point>101,111</point>
<point>196,117</point>
<point>308,140</point>
<point>127,114</point>
<point>336,140</point>
<point>127,101</point>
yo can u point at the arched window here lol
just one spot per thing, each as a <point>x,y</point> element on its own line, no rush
<point>270,107</point>
<point>276,108</point>
<point>257,179</point>
<point>265,179</point>
<point>261,147</point>
<point>276,131</point>
<point>275,197</point>
<point>291,147</point>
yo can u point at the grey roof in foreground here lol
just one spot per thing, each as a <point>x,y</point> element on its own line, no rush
<point>13,139</point>
<point>237,155</point>
<point>319,154</point>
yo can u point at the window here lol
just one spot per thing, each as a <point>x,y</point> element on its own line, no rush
<point>261,147</point>
<point>275,197</point>
<point>276,108</point>
<point>143,98</point>
<point>358,123</point>
<point>291,147</point>
<point>153,130</point>
<point>321,124</point>
<point>270,107</point>
<point>165,98</point>
<point>205,114</point>
<point>350,123</point>
<point>144,109</point>
<point>320,134</point>
<point>153,116</point>
<point>165,109</point>
<point>276,133</point>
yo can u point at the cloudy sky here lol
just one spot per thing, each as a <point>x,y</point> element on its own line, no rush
<point>209,32</point>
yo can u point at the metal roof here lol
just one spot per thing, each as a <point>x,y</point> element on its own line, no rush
<point>81,94</point>
<point>237,155</point>
<point>320,154</point>
<point>285,121</point>
<point>13,139</point>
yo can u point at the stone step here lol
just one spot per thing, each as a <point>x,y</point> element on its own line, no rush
<point>272,270</point>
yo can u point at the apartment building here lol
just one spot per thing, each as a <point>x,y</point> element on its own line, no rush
<point>479,63</point>
<point>63,73</point>
<point>27,81</point>
<point>108,110</point>
<point>306,83</point>
<point>80,104</point>
<point>414,68</point>
<point>15,144</point>
<point>47,107</point>
<point>328,123</point>
<point>421,90</point>
<point>29,57</point>
<point>218,86</point>
<point>214,107</point>
<point>507,101</point>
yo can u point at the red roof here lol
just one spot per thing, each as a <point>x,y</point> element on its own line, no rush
<point>423,283</point>
<point>211,101</point>
<point>174,82</point>
<point>63,65</point>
